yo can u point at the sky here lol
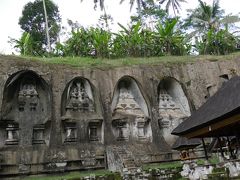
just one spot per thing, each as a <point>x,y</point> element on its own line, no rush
<point>83,12</point>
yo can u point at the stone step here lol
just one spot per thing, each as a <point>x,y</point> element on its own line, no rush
<point>132,169</point>
<point>129,164</point>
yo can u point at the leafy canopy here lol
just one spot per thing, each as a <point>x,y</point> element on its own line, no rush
<point>32,21</point>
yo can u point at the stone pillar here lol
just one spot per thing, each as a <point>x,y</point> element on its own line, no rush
<point>141,133</point>
<point>95,129</point>
<point>70,135</point>
<point>93,133</point>
<point>38,134</point>
<point>122,132</point>
<point>12,138</point>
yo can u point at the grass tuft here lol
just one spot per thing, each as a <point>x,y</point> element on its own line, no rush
<point>83,62</point>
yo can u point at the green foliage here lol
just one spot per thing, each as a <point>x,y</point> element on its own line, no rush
<point>101,42</point>
<point>216,42</point>
<point>132,41</point>
<point>78,44</point>
<point>210,27</point>
<point>87,62</point>
<point>150,15</point>
<point>205,17</point>
<point>83,42</point>
<point>139,39</point>
<point>24,45</point>
<point>172,40</point>
<point>32,21</point>
<point>129,41</point>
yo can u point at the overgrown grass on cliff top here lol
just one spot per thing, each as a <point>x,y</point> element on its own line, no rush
<point>91,62</point>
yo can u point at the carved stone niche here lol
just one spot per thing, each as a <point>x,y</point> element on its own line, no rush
<point>27,101</point>
<point>95,129</point>
<point>129,112</point>
<point>121,126</point>
<point>27,95</point>
<point>70,132</point>
<point>173,107</point>
<point>127,103</point>
<point>128,98</point>
<point>38,134</point>
<point>79,97</point>
<point>12,134</point>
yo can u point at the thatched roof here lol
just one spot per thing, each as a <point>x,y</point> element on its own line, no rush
<point>222,105</point>
<point>182,143</point>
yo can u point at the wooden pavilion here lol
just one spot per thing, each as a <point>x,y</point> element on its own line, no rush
<point>218,117</point>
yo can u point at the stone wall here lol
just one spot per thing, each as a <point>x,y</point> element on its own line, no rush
<point>59,118</point>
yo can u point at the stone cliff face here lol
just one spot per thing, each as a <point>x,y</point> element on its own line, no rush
<point>57,117</point>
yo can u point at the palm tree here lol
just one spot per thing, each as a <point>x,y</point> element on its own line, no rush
<point>176,6</point>
<point>206,17</point>
<point>140,3</point>
<point>101,3</point>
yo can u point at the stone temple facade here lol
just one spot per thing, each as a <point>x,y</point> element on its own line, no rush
<point>59,118</point>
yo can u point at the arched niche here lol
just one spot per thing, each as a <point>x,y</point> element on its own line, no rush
<point>80,106</point>
<point>26,109</point>
<point>173,88</point>
<point>130,113</point>
<point>78,97</point>
<point>173,107</point>
<point>127,88</point>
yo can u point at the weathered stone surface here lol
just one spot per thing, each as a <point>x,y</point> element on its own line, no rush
<point>49,130</point>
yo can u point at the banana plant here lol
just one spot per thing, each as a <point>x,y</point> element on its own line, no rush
<point>171,39</point>
<point>24,44</point>
<point>101,41</point>
<point>130,39</point>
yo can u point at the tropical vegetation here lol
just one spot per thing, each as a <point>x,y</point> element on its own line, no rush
<point>32,22</point>
<point>151,33</point>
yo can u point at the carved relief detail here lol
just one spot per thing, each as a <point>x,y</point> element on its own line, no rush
<point>170,115</point>
<point>121,126</point>
<point>70,132</point>
<point>130,121</point>
<point>27,96</point>
<point>79,99</point>
<point>12,134</point>
<point>127,104</point>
